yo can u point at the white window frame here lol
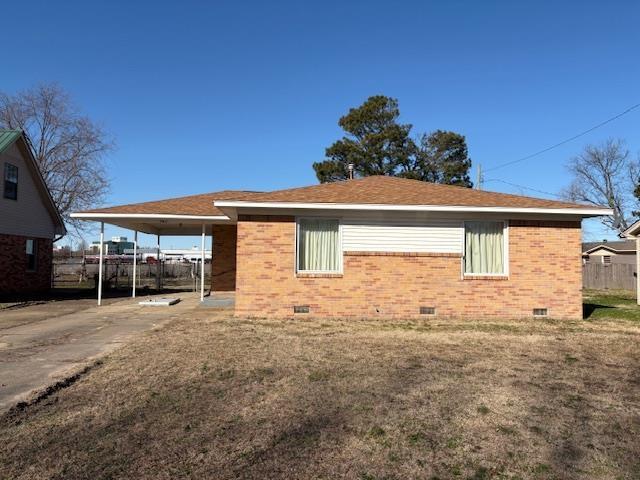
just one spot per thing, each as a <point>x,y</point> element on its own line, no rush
<point>505,249</point>
<point>340,247</point>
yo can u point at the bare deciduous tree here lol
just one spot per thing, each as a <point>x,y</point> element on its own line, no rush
<point>603,175</point>
<point>69,147</point>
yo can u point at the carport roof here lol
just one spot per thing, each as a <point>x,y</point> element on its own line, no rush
<point>173,216</point>
<point>201,204</point>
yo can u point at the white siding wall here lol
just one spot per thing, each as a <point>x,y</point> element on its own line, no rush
<point>436,236</point>
<point>28,215</point>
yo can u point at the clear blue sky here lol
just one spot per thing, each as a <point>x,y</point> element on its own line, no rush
<point>203,96</point>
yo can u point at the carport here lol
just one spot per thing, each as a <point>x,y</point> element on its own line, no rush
<point>194,215</point>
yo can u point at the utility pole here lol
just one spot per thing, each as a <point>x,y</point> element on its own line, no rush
<point>479,179</point>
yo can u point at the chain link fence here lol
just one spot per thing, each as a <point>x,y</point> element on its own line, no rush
<point>78,274</point>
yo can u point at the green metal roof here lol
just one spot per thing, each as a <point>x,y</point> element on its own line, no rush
<point>7,137</point>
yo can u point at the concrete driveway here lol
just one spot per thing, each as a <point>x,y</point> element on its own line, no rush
<point>42,344</point>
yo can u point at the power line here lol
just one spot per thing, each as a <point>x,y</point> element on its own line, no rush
<point>523,187</point>
<point>565,141</point>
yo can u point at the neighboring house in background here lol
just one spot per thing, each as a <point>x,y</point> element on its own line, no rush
<point>619,251</point>
<point>29,219</point>
<point>380,247</point>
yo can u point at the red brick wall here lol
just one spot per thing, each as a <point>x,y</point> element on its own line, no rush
<point>223,278</point>
<point>544,262</point>
<point>14,277</point>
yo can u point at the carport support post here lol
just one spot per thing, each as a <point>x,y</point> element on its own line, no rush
<point>135,261</point>
<point>202,264</point>
<point>638,270</point>
<point>100,264</point>
<point>158,269</point>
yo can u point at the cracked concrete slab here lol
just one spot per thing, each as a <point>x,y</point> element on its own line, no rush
<point>39,345</point>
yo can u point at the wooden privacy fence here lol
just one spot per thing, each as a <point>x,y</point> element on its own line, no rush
<point>614,276</point>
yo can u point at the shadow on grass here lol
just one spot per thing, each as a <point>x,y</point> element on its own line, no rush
<point>588,309</point>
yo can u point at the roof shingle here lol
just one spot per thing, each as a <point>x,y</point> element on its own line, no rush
<point>383,190</point>
<point>201,204</point>
<point>375,190</point>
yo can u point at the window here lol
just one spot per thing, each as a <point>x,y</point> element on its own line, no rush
<point>10,181</point>
<point>606,259</point>
<point>32,251</point>
<point>484,248</point>
<point>319,248</point>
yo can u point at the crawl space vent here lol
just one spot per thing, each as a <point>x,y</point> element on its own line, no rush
<point>427,310</point>
<point>301,309</point>
<point>539,312</point>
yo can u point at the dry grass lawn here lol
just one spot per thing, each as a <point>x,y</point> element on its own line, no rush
<point>209,396</point>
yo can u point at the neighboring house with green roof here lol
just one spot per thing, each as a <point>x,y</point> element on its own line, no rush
<point>29,219</point>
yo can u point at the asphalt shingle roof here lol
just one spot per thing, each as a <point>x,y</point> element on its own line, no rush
<point>201,204</point>
<point>383,190</point>
<point>615,245</point>
<point>374,190</point>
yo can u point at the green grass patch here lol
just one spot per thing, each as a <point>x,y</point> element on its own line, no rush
<point>506,430</point>
<point>570,359</point>
<point>417,438</point>
<point>318,376</point>
<point>610,305</point>
<point>454,442</point>
<point>377,432</point>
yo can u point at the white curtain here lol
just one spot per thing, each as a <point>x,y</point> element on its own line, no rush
<point>484,247</point>
<point>318,245</point>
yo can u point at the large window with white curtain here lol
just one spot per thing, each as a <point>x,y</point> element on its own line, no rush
<point>319,248</point>
<point>485,248</point>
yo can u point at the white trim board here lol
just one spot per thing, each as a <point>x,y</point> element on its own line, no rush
<point>154,216</point>
<point>585,212</point>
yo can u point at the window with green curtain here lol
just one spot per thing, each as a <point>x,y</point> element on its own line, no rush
<point>319,247</point>
<point>484,248</point>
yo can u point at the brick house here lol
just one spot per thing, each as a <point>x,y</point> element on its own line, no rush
<point>381,247</point>
<point>29,220</point>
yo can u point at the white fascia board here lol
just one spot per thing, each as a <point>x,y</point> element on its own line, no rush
<point>632,231</point>
<point>149,216</point>
<point>587,211</point>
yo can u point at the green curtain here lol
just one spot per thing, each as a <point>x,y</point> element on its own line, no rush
<point>318,245</point>
<point>484,247</point>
